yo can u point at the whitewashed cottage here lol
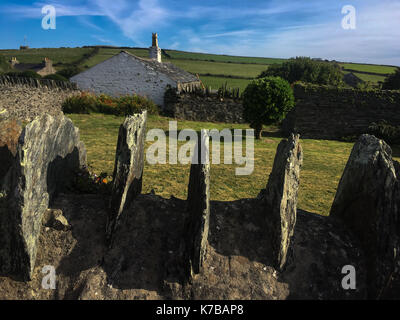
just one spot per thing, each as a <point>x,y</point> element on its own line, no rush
<point>126,73</point>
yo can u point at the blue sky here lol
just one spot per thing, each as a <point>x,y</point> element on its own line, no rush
<point>267,28</point>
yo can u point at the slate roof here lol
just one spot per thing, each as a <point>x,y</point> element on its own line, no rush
<point>169,69</point>
<point>30,66</point>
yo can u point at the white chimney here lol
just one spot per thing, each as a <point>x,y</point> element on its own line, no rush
<point>155,51</point>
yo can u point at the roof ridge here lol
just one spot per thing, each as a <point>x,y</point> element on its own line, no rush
<point>168,68</point>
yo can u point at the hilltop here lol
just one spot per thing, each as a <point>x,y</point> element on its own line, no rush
<point>213,69</point>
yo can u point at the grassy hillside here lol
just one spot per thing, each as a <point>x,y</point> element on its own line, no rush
<point>324,162</point>
<point>221,58</point>
<point>214,70</point>
<point>220,68</point>
<point>57,55</point>
<point>369,68</point>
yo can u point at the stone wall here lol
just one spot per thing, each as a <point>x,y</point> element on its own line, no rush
<point>51,84</point>
<point>202,107</point>
<point>25,98</point>
<point>323,112</point>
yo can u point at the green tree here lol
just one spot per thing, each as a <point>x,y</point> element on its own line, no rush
<point>392,82</point>
<point>266,101</point>
<point>306,70</point>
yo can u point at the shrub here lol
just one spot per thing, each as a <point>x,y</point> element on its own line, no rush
<point>392,82</point>
<point>4,65</point>
<point>122,106</point>
<point>127,105</point>
<point>266,101</point>
<point>56,77</point>
<point>306,70</point>
<point>385,131</point>
<point>83,103</point>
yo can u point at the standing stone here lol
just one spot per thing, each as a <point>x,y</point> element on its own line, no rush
<point>281,197</point>
<point>198,202</point>
<point>10,131</point>
<point>128,169</point>
<point>48,152</point>
<point>366,202</point>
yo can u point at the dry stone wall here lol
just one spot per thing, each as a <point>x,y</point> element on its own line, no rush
<point>323,112</point>
<point>24,99</point>
<point>200,107</point>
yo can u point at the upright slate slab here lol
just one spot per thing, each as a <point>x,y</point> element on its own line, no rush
<point>128,169</point>
<point>367,201</point>
<point>48,151</point>
<point>281,197</point>
<point>198,202</point>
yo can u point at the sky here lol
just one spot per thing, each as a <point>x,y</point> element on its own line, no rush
<point>259,28</point>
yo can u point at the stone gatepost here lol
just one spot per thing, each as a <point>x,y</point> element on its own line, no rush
<point>128,169</point>
<point>281,197</point>
<point>198,206</point>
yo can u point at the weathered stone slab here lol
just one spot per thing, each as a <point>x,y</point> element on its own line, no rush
<point>366,202</point>
<point>128,169</point>
<point>48,152</point>
<point>281,197</point>
<point>198,202</point>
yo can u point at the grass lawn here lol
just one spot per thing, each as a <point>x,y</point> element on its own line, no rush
<point>324,161</point>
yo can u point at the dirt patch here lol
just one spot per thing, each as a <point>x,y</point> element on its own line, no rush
<point>146,259</point>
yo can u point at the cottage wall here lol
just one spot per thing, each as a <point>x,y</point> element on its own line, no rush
<point>123,74</point>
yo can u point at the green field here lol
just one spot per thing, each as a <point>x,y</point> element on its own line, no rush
<point>221,58</point>
<point>369,68</point>
<point>220,68</point>
<point>217,82</point>
<point>374,79</point>
<point>323,164</point>
<point>57,55</point>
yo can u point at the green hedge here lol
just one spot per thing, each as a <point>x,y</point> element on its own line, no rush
<point>24,74</point>
<point>122,106</point>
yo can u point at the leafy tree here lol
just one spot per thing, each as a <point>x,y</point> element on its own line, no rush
<point>392,82</point>
<point>266,101</point>
<point>306,70</point>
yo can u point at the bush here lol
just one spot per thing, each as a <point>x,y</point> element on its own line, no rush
<point>122,106</point>
<point>266,101</point>
<point>4,65</point>
<point>306,70</point>
<point>56,77</point>
<point>83,103</point>
<point>385,131</point>
<point>392,82</point>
